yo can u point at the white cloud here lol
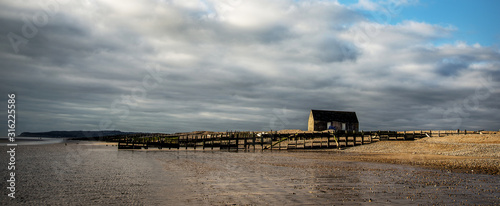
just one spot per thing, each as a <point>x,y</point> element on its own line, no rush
<point>366,5</point>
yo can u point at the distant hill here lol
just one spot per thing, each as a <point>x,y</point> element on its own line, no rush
<point>74,134</point>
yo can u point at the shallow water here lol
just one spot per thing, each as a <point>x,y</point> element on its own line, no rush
<point>87,173</point>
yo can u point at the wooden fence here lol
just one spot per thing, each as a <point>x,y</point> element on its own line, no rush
<point>236,141</point>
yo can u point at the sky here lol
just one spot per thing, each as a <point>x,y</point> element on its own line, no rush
<point>189,65</point>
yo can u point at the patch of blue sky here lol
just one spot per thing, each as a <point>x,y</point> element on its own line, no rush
<point>475,21</point>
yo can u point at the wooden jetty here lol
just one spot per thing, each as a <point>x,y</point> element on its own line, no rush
<point>244,141</point>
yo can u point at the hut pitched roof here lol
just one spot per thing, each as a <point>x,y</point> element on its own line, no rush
<point>338,116</point>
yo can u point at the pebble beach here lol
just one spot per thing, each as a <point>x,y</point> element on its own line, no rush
<point>471,153</point>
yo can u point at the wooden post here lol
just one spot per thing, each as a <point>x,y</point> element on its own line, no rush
<point>328,140</point>
<point>312,142</point>
<point>262,141</point>
<point>224,139</point>
<point>296,141</point>
<point>288,142</point>
<point>212,141</point>
<point>272,137</point>
<point>362,137</point>
<point>169,144</point>
<point>253,140</point>
<point>230,137</point>
<point>195,141</point>
<point>305,141</point>
<point>237,141</point>
<point>321,140</point>
<point>346,138</point>
<point>354,138</point>
<point>305,138</point>
<point>279,141</point>
<point>203,137</point>
<point>245,143</point>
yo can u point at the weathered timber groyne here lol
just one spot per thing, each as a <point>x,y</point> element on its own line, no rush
<point>244,141</point>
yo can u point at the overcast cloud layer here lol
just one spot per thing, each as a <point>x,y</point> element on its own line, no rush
<point>176,65</point>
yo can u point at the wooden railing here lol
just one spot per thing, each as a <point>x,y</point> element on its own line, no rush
<point>236,141</point>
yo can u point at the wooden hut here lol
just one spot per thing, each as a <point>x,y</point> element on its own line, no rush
<point>320,120</point>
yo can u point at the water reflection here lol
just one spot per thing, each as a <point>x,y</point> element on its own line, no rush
<point>31,141</point>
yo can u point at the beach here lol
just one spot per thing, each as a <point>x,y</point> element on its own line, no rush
<point>82,173</point>
<point>319,178</point>
<point>471,153</point>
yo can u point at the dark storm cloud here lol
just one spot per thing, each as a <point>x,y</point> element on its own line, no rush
<point>215,65</point>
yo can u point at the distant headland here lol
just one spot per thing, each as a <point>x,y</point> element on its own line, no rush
<point>75,134</point>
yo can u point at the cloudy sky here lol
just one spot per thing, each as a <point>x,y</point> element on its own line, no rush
<point>185,65</point>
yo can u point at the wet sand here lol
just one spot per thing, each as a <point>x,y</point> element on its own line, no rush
<point>89,173</point>
<point>320,178</point>
<point>445,170</point>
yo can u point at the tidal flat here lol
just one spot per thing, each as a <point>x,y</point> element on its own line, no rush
<point>83,173</point>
